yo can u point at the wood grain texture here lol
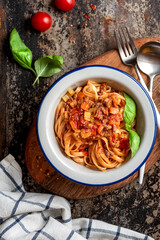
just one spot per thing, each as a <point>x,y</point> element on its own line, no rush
<point>50,179</point>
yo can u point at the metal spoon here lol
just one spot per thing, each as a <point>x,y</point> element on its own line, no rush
<point>148,60</point>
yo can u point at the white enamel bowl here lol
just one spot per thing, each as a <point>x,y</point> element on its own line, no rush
<point>146,125</point>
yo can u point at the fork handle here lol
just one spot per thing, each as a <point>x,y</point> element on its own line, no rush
<point>144,85</point>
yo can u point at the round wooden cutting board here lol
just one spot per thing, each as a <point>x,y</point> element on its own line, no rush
<point>45,175</point>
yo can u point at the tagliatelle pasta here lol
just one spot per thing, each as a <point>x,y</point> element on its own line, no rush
<point>89,126</point>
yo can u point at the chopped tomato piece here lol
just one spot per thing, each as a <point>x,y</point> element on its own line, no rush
<point>93,132</point>
<point>85,153</point>
<point>124,143</point>
<point>92,6</point>
<point>99,114</point>
<point>106,111</point>
<point>75,117</point>
<point>73,110</point>
<point>120,116</point>
<point>82,121</point>
<point>94,126</point>
<point>84,106</point>
<point>98,123</point>
<point>115,135</point>
<point>73,125</point>
<point>87,16</point>
<point>100,128</point>
<point>80,95</point>
<point>115,119</point>
<point>114,122</point>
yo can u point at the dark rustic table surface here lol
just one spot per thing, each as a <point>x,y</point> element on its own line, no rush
<point>77,39</point>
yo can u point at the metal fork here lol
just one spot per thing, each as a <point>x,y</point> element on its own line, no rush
<point>128,53</point>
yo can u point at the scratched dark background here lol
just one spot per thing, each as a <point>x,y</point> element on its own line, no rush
<point>77,40</point>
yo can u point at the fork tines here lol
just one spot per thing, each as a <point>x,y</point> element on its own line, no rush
<point>125,42</point>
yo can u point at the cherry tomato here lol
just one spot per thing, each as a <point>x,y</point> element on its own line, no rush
<point>41,21</point>
<point>65,5</point>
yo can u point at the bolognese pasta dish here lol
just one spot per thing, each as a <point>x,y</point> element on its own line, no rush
<point>89,126</point>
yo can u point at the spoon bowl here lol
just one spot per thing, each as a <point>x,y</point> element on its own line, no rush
<point>148,60</point>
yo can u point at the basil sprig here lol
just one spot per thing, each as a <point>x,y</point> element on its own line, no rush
<point>128,117</point>
<point>129,110</point>
<point>45,66</point>
<point>134,140</point>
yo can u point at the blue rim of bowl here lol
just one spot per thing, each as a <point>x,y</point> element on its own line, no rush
<point>153,109</point>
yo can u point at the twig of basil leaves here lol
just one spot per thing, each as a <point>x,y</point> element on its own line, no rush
<point>45,66</point>
<point>128,117</point>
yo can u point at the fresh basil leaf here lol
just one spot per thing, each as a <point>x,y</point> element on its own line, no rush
<point>128,117</point>
<point>129,110</point>
<point>47,66</point>
<point>56,58</point>
<point>128,127</point>
<point>134,141</point>
<point>21,53</point>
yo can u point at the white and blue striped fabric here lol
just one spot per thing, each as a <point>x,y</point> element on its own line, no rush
<point>25,215</point>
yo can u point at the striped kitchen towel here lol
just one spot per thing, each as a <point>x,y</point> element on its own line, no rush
<point>25,215</point>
